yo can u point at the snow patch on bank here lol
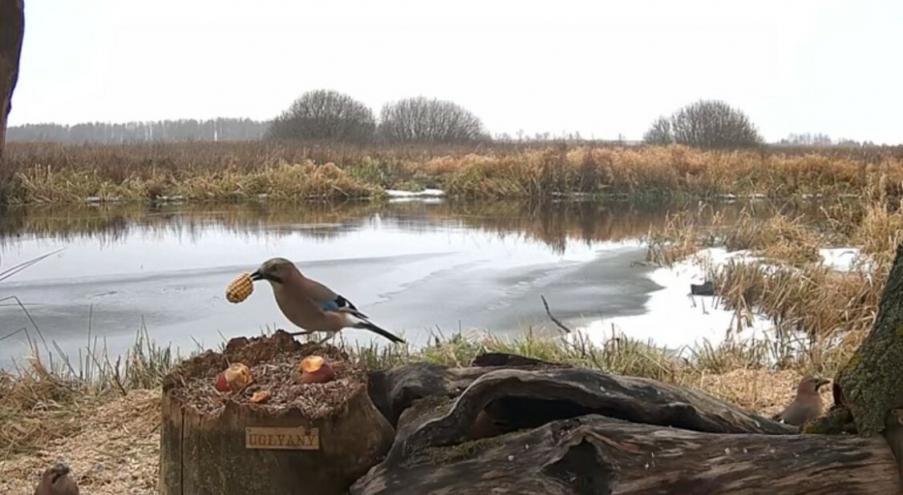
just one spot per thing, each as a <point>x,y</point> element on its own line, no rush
<point>674,318</point>
<point>426,195</point>
<point>840,259</point>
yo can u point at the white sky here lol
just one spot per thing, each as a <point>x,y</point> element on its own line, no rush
<point>600,68</point>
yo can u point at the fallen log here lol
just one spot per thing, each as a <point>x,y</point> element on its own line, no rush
<point>522,399</point>
<point>594,454</point>
<point>393,391</point>
<point>578,431</point>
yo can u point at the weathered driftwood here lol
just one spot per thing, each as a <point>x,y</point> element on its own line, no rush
<point>594,454</point>
<point>12,28</point>
<point>552,438</point>
<point>871,384</point>
<point>518,399</point>
<point>247,448</point>
<point>395,390</point>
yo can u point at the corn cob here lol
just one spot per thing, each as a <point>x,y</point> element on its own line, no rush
<point>240,288</point>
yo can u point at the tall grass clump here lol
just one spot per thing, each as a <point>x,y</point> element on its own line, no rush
<point>288,170</point>
<point>40,401</point>
<point>776,237</point>
<point>819,313</point>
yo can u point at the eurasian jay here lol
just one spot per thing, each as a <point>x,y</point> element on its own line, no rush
<point>807,405</point>
<point>310,304</point>
<point>56,481</point>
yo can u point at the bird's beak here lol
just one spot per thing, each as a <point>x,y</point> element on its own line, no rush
<point>258,275</point>
<point>820,382</point>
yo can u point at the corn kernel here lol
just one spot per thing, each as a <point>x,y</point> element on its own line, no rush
<point>240,288</point>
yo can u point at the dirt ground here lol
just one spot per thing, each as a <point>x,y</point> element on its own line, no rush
<point>116,451</point>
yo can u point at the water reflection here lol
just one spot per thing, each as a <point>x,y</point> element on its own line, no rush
<point>554,223</point>
<point>413,266</point>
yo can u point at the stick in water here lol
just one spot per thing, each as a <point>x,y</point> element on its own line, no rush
<point>552,317</point>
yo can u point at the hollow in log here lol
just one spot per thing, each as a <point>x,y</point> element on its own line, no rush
<point>557,432</point>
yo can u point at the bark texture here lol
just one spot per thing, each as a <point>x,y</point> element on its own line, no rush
<point>518,399</point>
<point>202,454</point>
<point>871,384</point>
<point>12,29</point>
<point>556,430</point>
<point>236,449</point>
<point>594,454</point>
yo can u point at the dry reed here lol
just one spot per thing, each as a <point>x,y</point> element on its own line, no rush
<point>291,171</point>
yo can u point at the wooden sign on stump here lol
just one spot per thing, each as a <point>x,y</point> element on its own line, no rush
<point>305,439</point>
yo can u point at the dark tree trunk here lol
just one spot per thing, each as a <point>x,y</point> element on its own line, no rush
<point>12,29</point>
<point>871,384</point>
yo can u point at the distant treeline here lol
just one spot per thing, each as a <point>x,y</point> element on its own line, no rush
<point>327,116</point>
<point>221,129</point>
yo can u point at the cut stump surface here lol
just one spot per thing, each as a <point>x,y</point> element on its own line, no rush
<point>305,439</point>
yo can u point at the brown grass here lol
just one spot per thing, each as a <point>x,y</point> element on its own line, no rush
<point>820,315</point>
<point>115,450</point>
<point>111,441</point>
<point>291,171</point>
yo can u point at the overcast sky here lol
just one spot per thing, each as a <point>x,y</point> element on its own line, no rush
<point>599,68</point>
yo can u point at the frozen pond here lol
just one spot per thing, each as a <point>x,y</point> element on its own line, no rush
<point>418,268</point>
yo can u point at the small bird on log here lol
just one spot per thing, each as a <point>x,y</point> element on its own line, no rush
<point>310,304</point>
<point>807,405</point>
<point>56,481</point>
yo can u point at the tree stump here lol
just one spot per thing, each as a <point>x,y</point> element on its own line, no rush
<point>306,439</point>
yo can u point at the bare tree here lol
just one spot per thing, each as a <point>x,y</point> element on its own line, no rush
<point>12,28</point>
<point>808,139</point>
<point>325,115</point>
<point>713,124</point>
<point>659,132</point>
<point>219,129</point>
<point>425,120</point>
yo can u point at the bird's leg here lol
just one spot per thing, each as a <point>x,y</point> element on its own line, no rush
<point>329,337</point>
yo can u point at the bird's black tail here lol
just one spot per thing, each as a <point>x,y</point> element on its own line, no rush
<point>375,329</point>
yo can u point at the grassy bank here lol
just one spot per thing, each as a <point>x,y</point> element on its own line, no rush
<point>42,402</point>
<point>296,171</point>
<point>820,315</point>
<point>106,424</point>
<point>774,270</point>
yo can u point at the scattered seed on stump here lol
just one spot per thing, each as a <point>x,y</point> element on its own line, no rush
<point>273,362</point>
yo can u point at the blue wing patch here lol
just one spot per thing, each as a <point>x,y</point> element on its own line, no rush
<point>338,303</point>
